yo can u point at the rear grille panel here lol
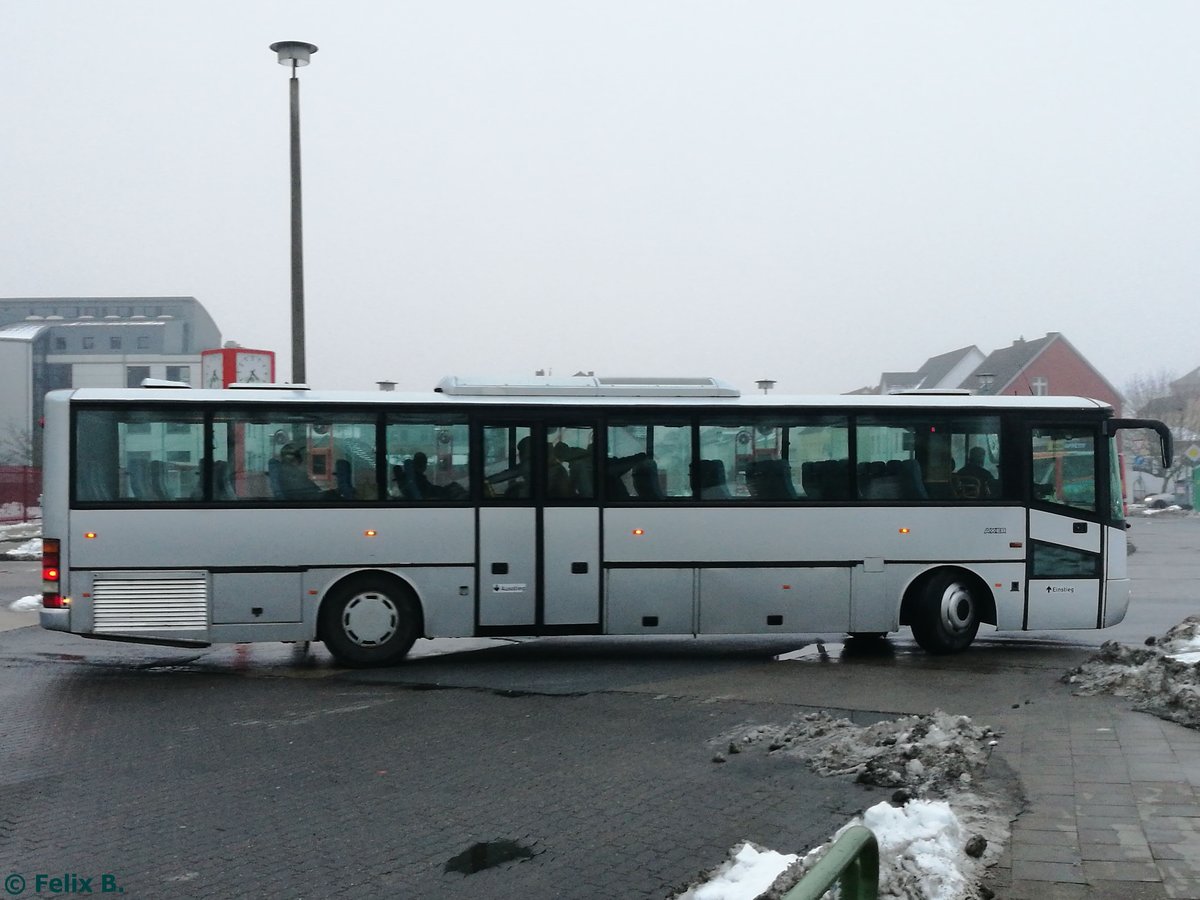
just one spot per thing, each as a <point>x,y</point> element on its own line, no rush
<point>124,605</point>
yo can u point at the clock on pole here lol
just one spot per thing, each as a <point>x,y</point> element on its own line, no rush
<point>236,365</point>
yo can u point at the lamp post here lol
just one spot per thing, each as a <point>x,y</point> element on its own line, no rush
<point>296,54</point>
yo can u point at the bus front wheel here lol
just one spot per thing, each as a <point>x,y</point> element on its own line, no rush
<point>369,621</point>
<point>946,617</point>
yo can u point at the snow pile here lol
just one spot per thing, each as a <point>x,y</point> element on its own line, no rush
<point>923,855</point>
<point>1162,678</point>
<point>20,531</point>
<point>31,549</point>
<point>920,850</point>
<point>1169,511</point>
<point>927,754</point>
<point>26,604</point>
<point>935,837</point>
<point>748,873</point>
<point>18,512</point>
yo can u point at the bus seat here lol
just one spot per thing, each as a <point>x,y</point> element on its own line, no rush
<point>273,477</point>
<point>222,487</point>
<point>403,476</point>
<point>808,480</point>
<point>156,472</point>
<point>836,484</point>
<point>770,479</point>
<point>874,483</point>
<point>712,480</point>
<point>966,487</point>
<point>345,483</point>
<point>614,485</point>
<point>645,480</point>
<point>92,486</point>
<point>912,484</point>
<point>139,481</point>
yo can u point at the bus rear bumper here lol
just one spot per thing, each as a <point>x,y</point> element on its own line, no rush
<point>1116,602</point>
<point>55,619</point>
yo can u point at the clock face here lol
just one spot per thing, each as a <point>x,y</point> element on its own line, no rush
<point>253,368</point>
<point>210,372</point>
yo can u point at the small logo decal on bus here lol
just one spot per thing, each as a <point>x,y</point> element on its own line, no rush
<point>995,531</point>
<point>508,588</point>
<point>1050,589</point>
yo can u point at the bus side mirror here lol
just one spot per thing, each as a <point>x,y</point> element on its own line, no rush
<point>1112,426</point>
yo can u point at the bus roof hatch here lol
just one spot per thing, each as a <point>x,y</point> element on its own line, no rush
<point>584,386</point>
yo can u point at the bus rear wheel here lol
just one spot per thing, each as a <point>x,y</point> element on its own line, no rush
<point>946,618</point>
<point>369,621</point>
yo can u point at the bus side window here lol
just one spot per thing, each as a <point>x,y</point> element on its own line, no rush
<point>648,462</point>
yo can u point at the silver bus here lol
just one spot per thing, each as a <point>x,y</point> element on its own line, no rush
<point>555,506</point>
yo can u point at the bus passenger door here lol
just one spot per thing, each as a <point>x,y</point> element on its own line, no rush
<point>1066,537</point>
<point>570,526</point>
<point>507,566</point>
<point>539,528</point>
<point>508,570</point>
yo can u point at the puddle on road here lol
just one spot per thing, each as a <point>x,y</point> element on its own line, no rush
<point>485,855</point>
<point>820,652</point>
<point>865,647</point>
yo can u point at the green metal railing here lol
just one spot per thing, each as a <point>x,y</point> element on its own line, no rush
<point>852,862</point>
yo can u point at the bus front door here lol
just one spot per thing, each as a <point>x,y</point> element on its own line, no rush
<point>1066,539</point>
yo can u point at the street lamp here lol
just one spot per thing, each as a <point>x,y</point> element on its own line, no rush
<point>296,54</point>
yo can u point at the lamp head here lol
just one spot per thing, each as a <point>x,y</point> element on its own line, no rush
<point>294,53</point>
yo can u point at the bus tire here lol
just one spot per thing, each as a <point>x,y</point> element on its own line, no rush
<point>947,614</point>
<point>369,621</point>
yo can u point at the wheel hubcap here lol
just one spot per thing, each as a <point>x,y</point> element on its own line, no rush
<point>371,619</point>
<point>957,608</point>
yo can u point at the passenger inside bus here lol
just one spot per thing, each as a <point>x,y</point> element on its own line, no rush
<point>292,476</point>
<point>579,467</point>
<point>974,480</point>
<point>615,470</point>
<point>424,487</point>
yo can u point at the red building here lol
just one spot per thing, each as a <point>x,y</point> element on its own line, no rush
<point>1046,366</point>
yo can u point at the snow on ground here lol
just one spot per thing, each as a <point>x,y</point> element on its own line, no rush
<point>936,835</point>
<point>31,549</point>
<point>1162,677</point>
<point>748,873</point>
<point>20,531</point>
<point>26,604</point>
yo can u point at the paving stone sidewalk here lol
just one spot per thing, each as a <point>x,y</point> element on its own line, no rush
<point>1113,804</point>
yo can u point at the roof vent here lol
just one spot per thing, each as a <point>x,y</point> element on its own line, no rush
<point>264,386</point>
<point>162,383</point>
<point>932,392</point>
<point>584,386</point>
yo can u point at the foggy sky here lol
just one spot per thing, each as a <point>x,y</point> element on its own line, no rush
<point>810,192</point>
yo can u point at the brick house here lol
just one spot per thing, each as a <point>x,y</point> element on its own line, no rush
<point>1047,366</point>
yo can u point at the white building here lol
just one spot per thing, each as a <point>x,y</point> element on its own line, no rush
<point>61,342</point>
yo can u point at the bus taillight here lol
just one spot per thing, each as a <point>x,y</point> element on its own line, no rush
<point>51,575</point>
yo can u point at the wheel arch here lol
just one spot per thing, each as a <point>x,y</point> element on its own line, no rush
<point>915,588</point>
<point>406,587</point>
